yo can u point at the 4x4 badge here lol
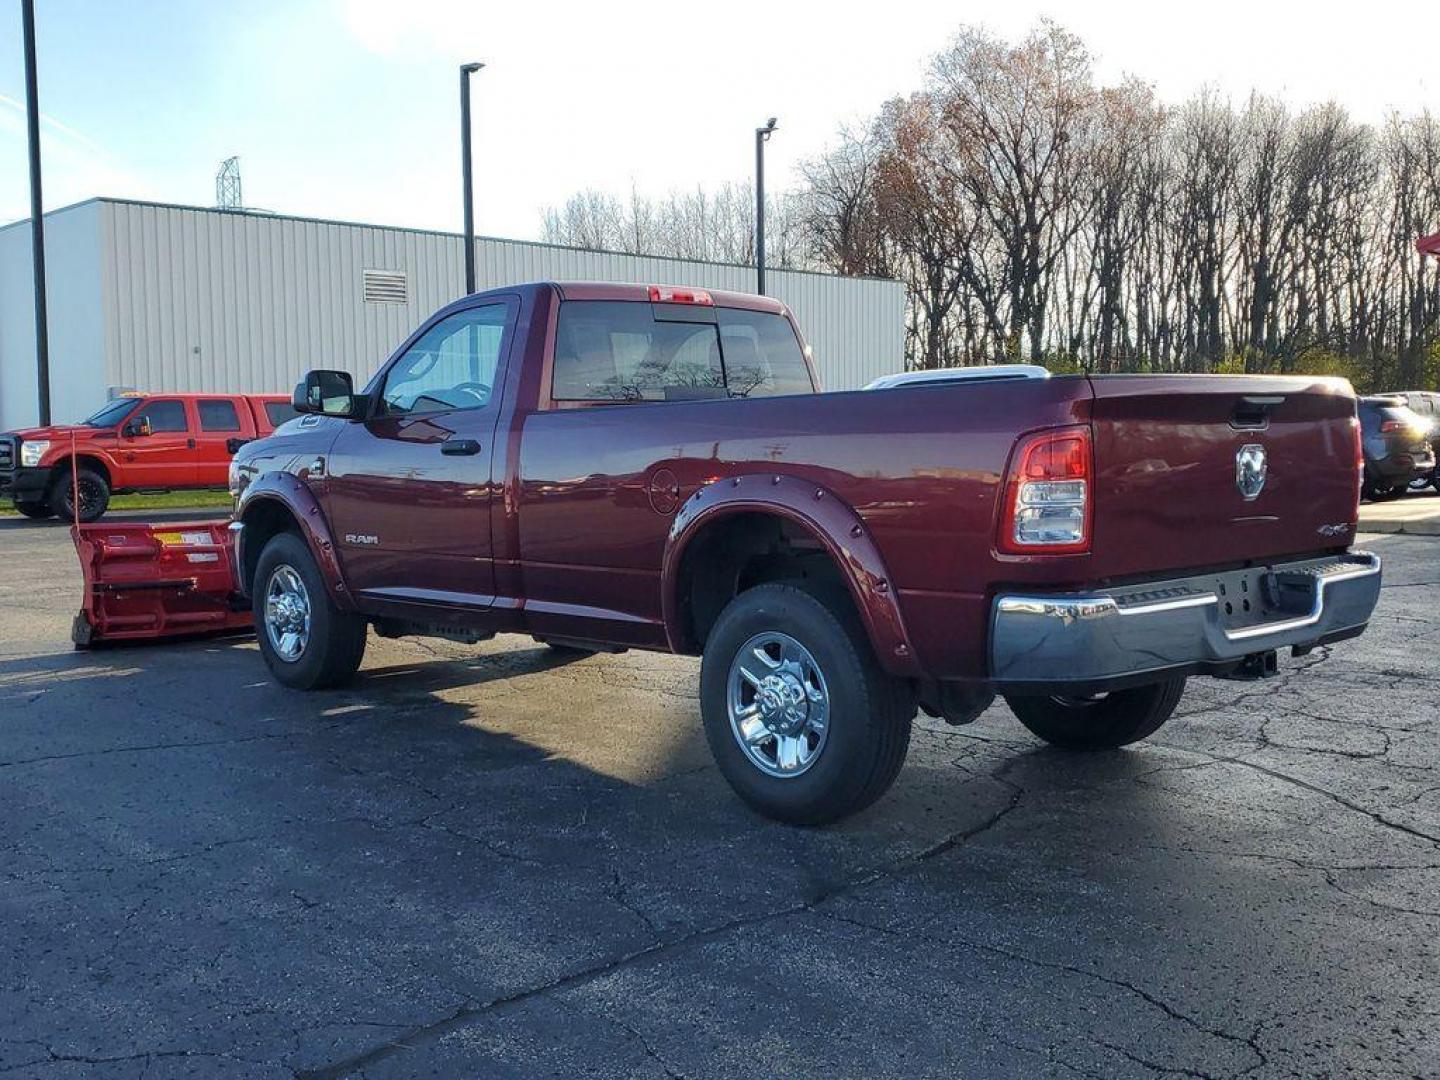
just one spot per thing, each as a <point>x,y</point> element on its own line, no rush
<point>1250,469</point>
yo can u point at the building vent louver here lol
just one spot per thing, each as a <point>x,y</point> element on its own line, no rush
<point>385,287</point>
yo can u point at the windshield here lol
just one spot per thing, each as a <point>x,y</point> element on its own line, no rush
<point>111,414</point>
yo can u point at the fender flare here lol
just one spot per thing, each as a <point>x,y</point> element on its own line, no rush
<point>57,459</point>
<point>830,519</point>
<point>291,493</point>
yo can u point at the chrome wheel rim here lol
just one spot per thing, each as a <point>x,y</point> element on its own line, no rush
<point>287,614</point>
<point>779,705</point>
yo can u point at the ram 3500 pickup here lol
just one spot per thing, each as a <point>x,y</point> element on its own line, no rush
<point>615,466</point>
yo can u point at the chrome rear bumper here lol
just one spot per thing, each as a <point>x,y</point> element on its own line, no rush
<point>1207,623</point>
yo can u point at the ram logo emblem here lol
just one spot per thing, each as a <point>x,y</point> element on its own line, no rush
<point>362,539</point>
<point>1250,470</point>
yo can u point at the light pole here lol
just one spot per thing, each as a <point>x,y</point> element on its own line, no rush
<point>762,136</point>
<point>37,212</point>
<point>466,70</point>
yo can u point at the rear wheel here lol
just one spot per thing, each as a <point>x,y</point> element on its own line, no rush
<point>307,642</point>
<point>94,491</point>
<point>1099,721</point>
<point>802,721</point>
<point>34,509</point>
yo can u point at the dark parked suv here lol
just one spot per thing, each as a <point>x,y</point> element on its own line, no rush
<point>1396,445</point>
<point>1426,405</point>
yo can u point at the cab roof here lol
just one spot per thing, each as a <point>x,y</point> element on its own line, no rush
<point>614,290</point>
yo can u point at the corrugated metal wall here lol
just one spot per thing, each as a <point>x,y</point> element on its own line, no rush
<point>209,300</point>
<point>77,349</point>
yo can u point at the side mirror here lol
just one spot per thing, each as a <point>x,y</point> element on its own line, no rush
<point>136,428</point>
<point>328,393</point>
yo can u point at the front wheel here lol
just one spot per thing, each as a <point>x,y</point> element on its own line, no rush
<point>308,643</point>
<point>36,510</point>
<point>91,486</point>
<point>1099,721</point>
<point>802,721</point>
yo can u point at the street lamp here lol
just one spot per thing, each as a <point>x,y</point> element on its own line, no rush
<point>762,136</point>
<point>466,70</point>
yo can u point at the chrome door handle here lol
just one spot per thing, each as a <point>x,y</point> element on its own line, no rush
<point>460,447</point>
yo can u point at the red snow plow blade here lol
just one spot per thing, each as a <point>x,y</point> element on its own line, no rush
<point>152,581</point>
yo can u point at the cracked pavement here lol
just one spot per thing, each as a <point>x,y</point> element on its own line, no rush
<point>493,861</point>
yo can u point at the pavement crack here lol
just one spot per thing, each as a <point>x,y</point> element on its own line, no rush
<point>151,747</point>
<point>1154,1066</point>
<point>1009,954</point>
<point>646,1046</point>
<point>472,1011</point>
<point>1334,796</point>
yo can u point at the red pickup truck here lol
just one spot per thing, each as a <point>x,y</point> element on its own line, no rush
<point>615,466</point>
<point>140,442</point>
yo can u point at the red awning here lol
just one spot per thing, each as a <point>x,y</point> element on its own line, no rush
<point>1429,245</point>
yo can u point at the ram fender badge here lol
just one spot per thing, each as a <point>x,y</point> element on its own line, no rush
<point>365,539</point>
<point>1250,470</point>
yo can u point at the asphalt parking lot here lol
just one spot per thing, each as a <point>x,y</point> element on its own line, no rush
<point>491,862</point>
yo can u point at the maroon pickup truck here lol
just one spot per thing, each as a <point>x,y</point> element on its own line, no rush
<point>614,466</point>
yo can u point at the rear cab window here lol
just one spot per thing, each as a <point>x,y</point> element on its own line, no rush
<point>610,351</point>
<point>218,415</point>
<point>277,412</point>
<point>763,357</point>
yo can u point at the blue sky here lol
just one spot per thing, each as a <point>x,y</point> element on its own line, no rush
<point>347,108</point>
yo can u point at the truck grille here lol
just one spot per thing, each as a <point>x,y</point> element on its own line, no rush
<point>7,453</point>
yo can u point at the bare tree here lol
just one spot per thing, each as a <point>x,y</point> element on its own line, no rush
<point>1033,212</point>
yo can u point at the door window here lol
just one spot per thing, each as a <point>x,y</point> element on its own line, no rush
<point>164,416</point>
<point>452,366</point>
<point>218,416</point>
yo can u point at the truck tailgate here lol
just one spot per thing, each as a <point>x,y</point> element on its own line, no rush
<point>1168,495</point>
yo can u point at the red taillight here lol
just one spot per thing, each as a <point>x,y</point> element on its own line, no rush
<point>672,294</point>
<point>1359,463</point>
<point>1389,426</point>
<point>1049,494</point>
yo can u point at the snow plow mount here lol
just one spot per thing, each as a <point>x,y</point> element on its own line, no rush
<point>145,580</point>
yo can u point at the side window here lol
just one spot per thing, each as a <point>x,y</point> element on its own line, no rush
<point>279,412</point>
<point>452,366</point>
<point>218,416</point>
<point>164,416</point>
<point>762,355</point>
<point>607,350</point>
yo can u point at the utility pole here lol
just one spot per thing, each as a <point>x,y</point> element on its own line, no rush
<point>37,212</point>
<point>762,136</point>
<point>466,70</point>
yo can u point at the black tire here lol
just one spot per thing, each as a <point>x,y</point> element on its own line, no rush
<point>1102,722</point>
<point>36,510</point>
<point>335,643</point>
<point>94,495</point>
<point>868,730</point>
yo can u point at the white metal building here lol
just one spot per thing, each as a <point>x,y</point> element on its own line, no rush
<point>157,297</point>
